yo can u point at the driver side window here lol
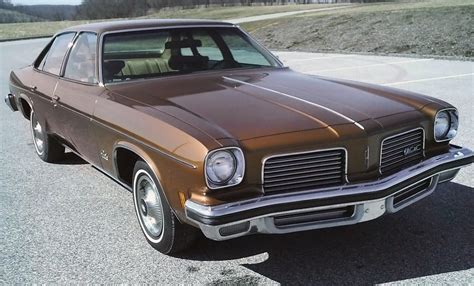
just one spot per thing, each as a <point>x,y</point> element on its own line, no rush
<point>81,63</point>
<point>53,60</point>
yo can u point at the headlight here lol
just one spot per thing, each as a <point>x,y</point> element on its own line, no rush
<point>224,168</point>
<point>441,126</point>
<point>446,124</point>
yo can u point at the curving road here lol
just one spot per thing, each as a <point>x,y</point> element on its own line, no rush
<point>68,223</point>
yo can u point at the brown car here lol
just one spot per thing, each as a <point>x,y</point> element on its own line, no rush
<point>210,131</point>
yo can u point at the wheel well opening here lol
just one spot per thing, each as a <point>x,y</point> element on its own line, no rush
<point>126,160</point>
<point>25,107</point>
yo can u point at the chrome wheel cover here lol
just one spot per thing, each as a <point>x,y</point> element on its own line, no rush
<point>148,205</point>
<point>38,134</point>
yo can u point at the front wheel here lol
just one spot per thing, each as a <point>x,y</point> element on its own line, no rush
<point>47,148</point>
<point>160,226</point>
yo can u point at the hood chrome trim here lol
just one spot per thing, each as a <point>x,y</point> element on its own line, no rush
<point>297,98</point>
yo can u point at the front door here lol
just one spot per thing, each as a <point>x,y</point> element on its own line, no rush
<point>74,109</point>
<point>76,94</point>
<point>47,69</point>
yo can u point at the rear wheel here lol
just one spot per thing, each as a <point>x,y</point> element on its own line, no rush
<point>160,226</point>
<point>47,148</point>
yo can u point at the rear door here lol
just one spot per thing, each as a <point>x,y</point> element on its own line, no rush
<point>45,79</point>
<point>77,92</point>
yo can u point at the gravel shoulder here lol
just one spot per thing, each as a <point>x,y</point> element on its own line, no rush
<point>428,28</point>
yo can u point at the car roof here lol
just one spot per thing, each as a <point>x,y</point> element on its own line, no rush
<point>111,26</point>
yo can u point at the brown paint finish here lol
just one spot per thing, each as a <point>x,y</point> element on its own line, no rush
<point>173,122</point>
<point>73,110</point>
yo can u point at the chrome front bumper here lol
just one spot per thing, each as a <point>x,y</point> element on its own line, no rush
<point>330,207</point>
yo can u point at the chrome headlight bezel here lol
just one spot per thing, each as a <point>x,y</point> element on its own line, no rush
<point>453,124</point>
<point>237,174</point>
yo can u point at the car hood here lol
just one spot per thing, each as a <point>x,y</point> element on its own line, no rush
<point>255,103</point>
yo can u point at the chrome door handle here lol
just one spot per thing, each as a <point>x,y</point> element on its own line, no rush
<point>55,100</point>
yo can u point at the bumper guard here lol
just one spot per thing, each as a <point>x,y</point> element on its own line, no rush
<point>10,102</point>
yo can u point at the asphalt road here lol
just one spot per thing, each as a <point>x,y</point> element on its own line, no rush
<point>68,223</point>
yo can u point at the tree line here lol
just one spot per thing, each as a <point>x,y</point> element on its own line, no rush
<point>107,9</point>
<point>99,9</point>
<point>33,13</point>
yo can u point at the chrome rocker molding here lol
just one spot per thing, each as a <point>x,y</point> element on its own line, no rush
<point>222,222</point>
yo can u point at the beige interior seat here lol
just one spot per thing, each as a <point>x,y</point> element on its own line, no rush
<point>145,66</point>
<point>141,66</point>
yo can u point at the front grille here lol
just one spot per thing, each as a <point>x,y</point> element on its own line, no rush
<point>304,171</point>
<point>402,150</point>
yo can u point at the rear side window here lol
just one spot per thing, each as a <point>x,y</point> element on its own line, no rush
<point>54,59</point>
<point>82,59</point>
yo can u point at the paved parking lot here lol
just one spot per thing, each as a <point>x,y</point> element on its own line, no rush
<point>68,223</point>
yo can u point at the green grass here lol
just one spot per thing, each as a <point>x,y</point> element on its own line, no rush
<point>422,27</point>
<point>21,30</point>
<point>36,29</point>
<point>393,7</point>
<point>428,28</point>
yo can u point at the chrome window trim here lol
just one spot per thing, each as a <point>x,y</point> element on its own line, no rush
<point>79,82</point>
<point>223,25</point>
<point>66,54</point>
<point>399,134</point>
<point>434,123</point>
<point>264,160</point>
<point>66,60</point>
<point>205,167</point>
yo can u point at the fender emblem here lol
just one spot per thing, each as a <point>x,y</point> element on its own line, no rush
<point>411,149</point>
<point>104,155</point>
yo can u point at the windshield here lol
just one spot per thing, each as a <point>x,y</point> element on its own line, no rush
<point>145,54</point>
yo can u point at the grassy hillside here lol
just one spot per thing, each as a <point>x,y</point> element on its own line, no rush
<point>22,30</point>
<point>9,16</point>
<point>19,30</point>
<point>220,13</point>
<point>49,12</point>
<point>425,27</point>
<point>435,27</point>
